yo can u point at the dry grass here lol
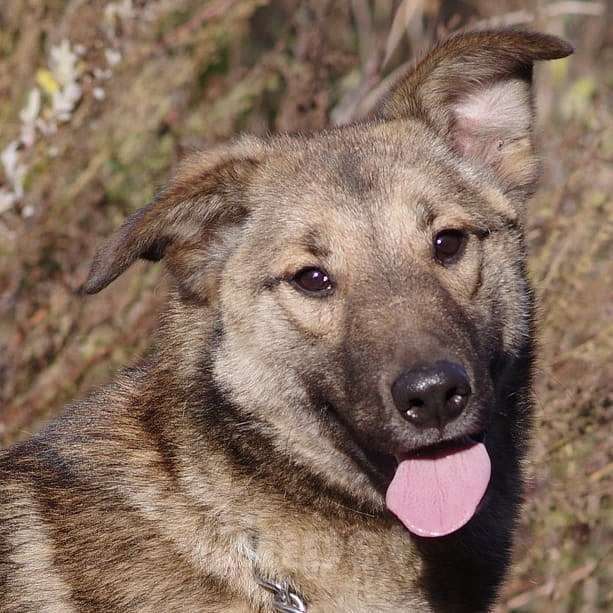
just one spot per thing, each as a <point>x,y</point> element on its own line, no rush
<point>161,76</point>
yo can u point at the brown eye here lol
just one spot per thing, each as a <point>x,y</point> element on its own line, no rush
<point>313,281</point>
<point>449,245</point>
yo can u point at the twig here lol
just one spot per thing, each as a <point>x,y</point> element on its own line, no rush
<point>407,10</point>
<point>579,349</point>
<point>597,475</point>
<point>368,102</point>
<point>347,109</point>
<point>363,22</point>
<point>210,11</point>
<point>556,9</point>
<point>548,589</point>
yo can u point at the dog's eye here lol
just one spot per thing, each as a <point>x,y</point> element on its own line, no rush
<point>449,245</point>
<point>313,281</point>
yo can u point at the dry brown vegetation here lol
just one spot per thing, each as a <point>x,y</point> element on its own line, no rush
<point>154,78</point>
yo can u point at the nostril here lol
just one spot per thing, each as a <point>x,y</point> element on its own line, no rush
<point>457,394</point>
<point>456,390</point>
<point>417,413</point>
<point>455,403</point>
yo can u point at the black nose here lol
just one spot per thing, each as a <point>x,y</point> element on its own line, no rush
<point>432,396</point>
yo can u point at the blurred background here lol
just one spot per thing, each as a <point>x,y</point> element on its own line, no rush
<point>98,101</point>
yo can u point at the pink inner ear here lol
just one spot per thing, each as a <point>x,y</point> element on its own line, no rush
<point>471,140</point>
<point>465,133</point>
<point>490,116</point>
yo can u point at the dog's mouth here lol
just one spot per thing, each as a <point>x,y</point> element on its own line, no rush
<point>436,489</point>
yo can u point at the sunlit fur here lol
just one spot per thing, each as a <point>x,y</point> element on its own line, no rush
<point>255,438</point>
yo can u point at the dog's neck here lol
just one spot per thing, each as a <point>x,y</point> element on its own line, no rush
<point>266,494</point>
<point>267,514</point>
<point>268,518</point>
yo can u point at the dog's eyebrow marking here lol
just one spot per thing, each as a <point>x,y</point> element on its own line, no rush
<point>313,243</point>
<point>487,207</point>
<point>425,214</point>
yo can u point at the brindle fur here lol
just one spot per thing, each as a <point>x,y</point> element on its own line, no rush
<point>257,437</point>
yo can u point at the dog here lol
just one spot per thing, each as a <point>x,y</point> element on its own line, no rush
<point>338,401</point>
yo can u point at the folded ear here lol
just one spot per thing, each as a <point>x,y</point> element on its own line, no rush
<point>207,191</point>
<point>474,89</point>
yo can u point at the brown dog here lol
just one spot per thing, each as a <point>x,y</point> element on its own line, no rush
<point>335,412</point>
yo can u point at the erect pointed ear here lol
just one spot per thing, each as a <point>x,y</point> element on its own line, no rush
<point>474,89</point>
<point>208,190</point>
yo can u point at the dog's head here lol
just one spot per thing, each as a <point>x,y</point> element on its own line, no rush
<point>367,283</point>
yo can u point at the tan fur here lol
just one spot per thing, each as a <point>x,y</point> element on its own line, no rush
<point>248,443</point>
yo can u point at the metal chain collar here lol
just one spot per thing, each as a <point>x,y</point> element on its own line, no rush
<point>285,600</point>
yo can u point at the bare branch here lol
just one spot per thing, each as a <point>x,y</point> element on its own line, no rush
<point>555,9</point>
<point>406,12</point>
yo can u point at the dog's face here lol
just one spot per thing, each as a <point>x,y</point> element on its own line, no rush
<point>365,283</point>
<point>374,255</point>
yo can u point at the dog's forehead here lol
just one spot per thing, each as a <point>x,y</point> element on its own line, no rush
<point>372,173</point>
<point>356,160</point>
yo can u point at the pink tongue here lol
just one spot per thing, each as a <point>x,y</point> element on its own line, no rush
<point>436,495</point>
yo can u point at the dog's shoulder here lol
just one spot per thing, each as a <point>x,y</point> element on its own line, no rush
<point>68,458</point>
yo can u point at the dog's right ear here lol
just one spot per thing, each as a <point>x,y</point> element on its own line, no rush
<point>207,191</point>
<point>475,90</point>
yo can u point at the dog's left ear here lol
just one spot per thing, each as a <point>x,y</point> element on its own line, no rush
<point>206,195</point>
<point>474,89</point>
